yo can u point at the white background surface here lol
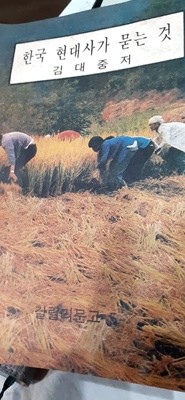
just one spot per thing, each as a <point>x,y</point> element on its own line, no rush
<point>82,5</point>
<point>60,386</point>
<point>105,50</point>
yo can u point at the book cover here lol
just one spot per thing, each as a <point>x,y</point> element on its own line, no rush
<point>92,163</point>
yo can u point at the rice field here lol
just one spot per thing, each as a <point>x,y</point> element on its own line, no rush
<point>94,283</point>
<point>59,167</point>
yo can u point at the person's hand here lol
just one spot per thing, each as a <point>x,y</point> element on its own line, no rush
<point>163,151</point>
<point>12,177</point>
<point>157,151</point>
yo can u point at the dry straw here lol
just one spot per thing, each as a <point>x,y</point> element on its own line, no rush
<point>120,255</point>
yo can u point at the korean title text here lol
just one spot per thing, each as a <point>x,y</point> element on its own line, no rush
<point>111,49</point>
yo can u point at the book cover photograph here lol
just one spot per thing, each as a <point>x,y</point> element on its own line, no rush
<point>92,185</point>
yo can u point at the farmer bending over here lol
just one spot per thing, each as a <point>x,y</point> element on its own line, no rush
<point>20,149</point>
<point>171,142</point>
<point>115,157</point>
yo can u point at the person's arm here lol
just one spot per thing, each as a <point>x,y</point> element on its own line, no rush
<point>163,149</point>
<point>159,146</point>
<point>104,153</point>
<point>155,144</point>
<point>10,152</point>
<point>12,173</point>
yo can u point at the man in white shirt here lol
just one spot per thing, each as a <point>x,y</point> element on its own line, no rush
<point>171,142</point>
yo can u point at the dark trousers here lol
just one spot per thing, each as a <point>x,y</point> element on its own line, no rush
<point>25,156</point>
<point>174,161</point>
<point>135,167</point>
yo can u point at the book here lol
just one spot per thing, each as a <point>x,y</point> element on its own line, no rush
<point>92,193</point>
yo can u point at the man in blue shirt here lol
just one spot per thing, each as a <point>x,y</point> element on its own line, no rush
<point>123,157</point>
